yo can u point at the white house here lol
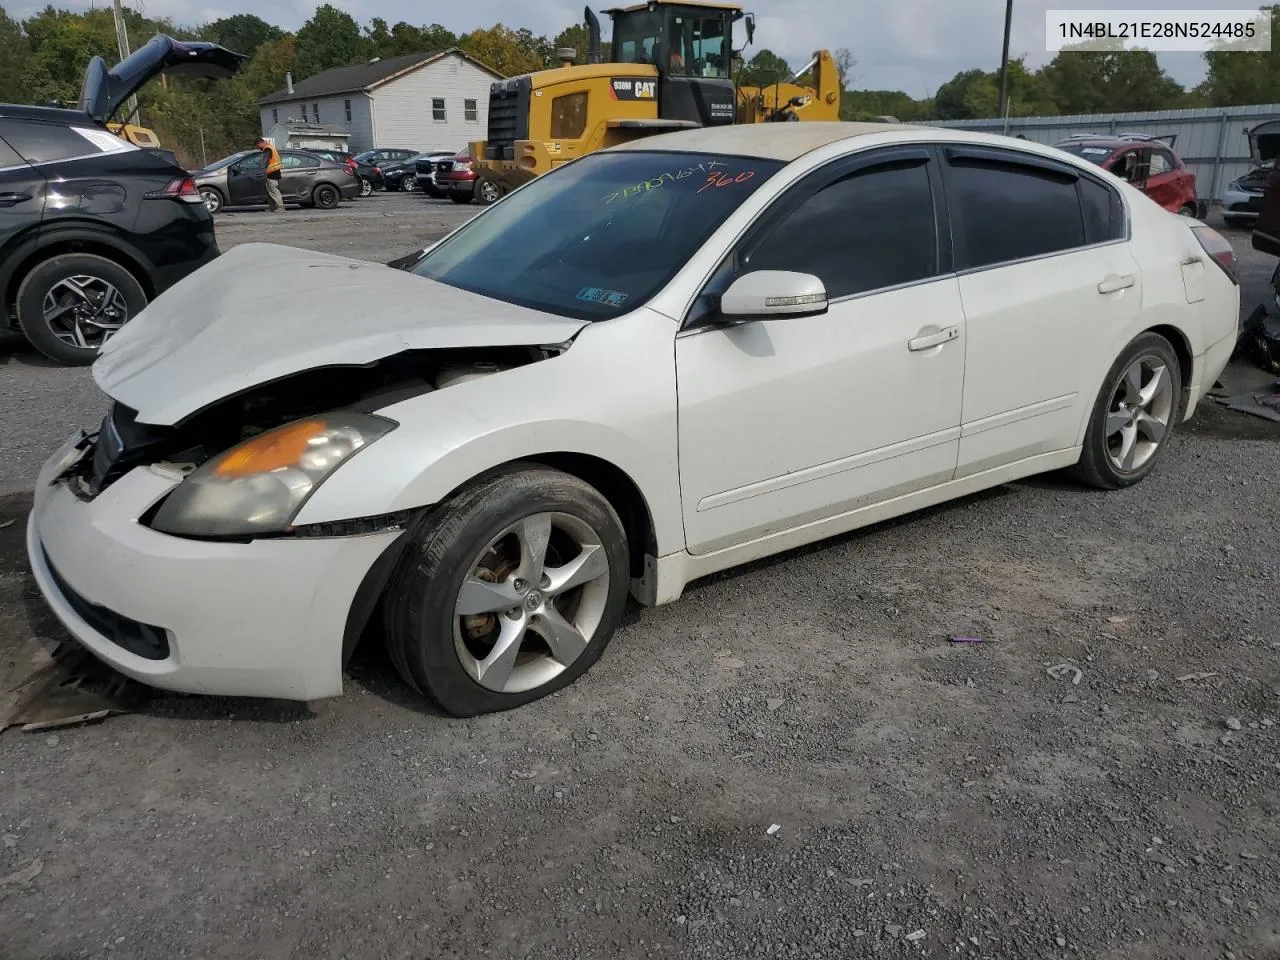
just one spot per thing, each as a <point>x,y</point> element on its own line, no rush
<point>421,101</point>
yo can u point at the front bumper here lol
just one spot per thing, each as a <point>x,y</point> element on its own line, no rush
<point>259,619</point>
<point>1240,204</point>
<point>463,188</point>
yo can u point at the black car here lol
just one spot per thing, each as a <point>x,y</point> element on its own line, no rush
<point>91,226</point>
<point>370,163</point>
<point>403,174</point>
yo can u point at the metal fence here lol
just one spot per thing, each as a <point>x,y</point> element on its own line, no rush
<point>1213,142</point>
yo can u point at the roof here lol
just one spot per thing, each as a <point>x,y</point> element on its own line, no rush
<point>74,118</point>
<point>320,129</point>
<point>790,141</point>
<point>775,141</point>
<point>361,77</point>
<point>679,3</point>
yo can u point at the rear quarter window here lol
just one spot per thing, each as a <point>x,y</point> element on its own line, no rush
<point>38,142</point>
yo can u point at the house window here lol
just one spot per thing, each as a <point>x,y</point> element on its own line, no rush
<point>437,109</point>
<point>275,115</point>
<point>315,111</point>
<point>469,111</point>
<point>346,105</point>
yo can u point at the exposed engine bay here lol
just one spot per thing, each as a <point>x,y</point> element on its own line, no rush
<point>123,443</point>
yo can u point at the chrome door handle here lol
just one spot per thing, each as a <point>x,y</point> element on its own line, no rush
<point>929,340</point>
<point>1114,284</point>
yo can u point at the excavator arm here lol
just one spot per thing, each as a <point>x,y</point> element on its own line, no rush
<point>787,101</point>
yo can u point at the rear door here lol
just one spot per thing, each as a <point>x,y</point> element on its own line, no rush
<point>1048,284</point>
<point>22,189</point>
<point>1166,183</point>
<point>298,175</point>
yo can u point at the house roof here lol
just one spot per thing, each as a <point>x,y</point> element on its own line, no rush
<point>361,77</point>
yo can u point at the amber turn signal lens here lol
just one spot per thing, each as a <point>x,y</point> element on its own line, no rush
<point>271,451</point>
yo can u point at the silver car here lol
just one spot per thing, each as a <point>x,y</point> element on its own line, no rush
<point>306,179</point>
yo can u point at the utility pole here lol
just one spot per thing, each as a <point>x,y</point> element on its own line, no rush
<point>1004,58</point>
<point>122,45</point>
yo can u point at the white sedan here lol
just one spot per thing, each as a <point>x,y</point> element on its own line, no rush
<point>657,362</point>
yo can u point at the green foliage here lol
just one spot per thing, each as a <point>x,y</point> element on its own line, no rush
<point>243,33</point>
<point>331,38</point>
<point>764,68</point>
<point>1236,78</point>
<point>574,36</point>
<point>510,52</point>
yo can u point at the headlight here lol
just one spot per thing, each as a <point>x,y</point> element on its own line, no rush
<point>260,485</point>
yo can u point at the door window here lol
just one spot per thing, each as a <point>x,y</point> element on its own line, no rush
<point>867,230</point>
<point>1007,211</point>
<point>9,157</point>
<point>1125,166</point>
<point>1161,162</point>
<point>251,163</point>
<point>296,161</point>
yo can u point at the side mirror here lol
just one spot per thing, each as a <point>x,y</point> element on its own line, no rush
<point>751,28</point>
<point>766,294</point>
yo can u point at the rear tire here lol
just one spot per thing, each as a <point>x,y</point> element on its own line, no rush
<point>213,200</point>
<point>472,551</point>
<point>366,187</point>
<point>1134,416</point>
<point>76,296</point>
<point>1188,211</point>
<point>326,196</point>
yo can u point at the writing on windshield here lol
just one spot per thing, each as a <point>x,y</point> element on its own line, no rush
<point>661,180</point>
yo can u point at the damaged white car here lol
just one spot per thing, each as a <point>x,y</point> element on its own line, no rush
<point>657,362</point>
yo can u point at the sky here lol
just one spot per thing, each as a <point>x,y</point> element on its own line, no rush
<point>909,45</point>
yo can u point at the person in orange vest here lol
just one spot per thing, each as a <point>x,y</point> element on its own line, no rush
<point>273,166</point>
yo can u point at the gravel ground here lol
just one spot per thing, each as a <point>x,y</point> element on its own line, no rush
<point>933,799</point>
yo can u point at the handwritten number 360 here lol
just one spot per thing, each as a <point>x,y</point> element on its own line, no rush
<point>723,179</point>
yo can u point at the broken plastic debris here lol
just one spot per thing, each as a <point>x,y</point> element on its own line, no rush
<point>773,828</point>
<point>966,640</point>
<point>1196,676</point>
<point>1064,670</point>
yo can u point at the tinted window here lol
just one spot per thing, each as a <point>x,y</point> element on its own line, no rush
<point>42,142</point>
<point>296,160</point>
<point>254,161</point>
<point>1103,212</point>
<point>865,231</point>
<point>1008,211</point>
<point>8,156</point>
<point>600,236</point>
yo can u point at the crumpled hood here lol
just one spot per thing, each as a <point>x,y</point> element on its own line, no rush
<point>261,312</point>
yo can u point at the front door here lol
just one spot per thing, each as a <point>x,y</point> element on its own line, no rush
<point>246,181</point>
<point>790,420</point>
<point>1167,184</point>
<point>1046,277</point>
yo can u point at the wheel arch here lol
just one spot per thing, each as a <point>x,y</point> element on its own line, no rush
<point>1186,359</point>
<point>57,245</point>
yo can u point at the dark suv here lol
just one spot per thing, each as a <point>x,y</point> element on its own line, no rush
<point>91,226</point>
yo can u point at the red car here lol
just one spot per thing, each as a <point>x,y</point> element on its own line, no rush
<point>1149,164</point>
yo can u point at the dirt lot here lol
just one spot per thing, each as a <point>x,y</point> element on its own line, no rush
<point>934,799</point>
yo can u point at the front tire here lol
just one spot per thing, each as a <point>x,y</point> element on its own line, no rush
<point>507,592</point>
<point>69,306</point>
<point>1134,416</point>
<point>408,183</point>
<point>326,196</point>
<point>489,191</point>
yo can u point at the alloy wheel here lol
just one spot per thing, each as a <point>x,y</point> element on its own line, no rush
<point>1138,418</point>
<point>531,603</point>
<point>84,311</point>
<point>408,184</point>
<point>490,192</point>
<point>366,188</point>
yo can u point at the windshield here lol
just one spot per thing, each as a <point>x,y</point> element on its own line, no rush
<point>636,37</point>
<point>1091,153</point>
<point>600,236</point>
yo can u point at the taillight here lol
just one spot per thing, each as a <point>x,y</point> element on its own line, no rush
<point>184,189</point>
<point>1219,249</point>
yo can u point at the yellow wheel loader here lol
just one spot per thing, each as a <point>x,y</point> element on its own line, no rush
<point>670,67</point>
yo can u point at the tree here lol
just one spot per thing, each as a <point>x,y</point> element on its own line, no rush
<point>331,38</point>
<point>975,94</point>
<point>243,33</point>
<point>1235,78</point>
<point>764,68</point>
<point>14,54</point>
<point>510,52</point>
<point>1096,81</point>
<point>845,63</point>
<point>576,37</point>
